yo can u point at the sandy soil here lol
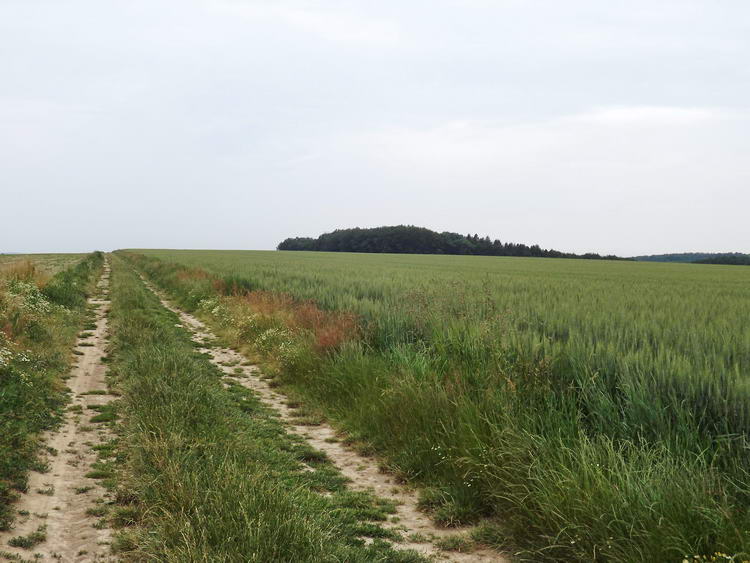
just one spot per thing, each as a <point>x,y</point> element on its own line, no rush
<point>66,494</point>
<point>364,472</point>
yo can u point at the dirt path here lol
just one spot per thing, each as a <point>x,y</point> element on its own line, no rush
<point>363,471</point>
<point>57,501</point>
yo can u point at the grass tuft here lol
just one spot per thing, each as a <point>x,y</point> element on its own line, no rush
<point>30,540</point>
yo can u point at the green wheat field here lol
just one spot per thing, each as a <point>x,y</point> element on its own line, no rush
<point>580,409</point>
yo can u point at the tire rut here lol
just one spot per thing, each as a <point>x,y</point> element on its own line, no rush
<point>58,500</point>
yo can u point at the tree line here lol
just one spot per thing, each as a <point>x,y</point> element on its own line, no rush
<point>408,239</point>
<point>735,259</point>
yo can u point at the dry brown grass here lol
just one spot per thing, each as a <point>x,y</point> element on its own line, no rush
<point>25,270</point>
<point>192,274</point>
<point>329,328</point>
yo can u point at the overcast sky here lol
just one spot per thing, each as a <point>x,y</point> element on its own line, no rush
<point>586,125</point>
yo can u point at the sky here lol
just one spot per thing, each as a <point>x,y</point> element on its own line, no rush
<point>614,127</point>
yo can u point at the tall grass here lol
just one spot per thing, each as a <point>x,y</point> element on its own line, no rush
<point>46,264</point>
<point>599,409</point>
<point>39,320</point>
<point>211,474</point>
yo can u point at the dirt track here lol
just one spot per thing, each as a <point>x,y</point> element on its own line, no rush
<point>59,499</point>
<point>363,471</point>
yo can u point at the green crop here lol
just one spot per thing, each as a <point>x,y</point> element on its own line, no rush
<point>598,410</point>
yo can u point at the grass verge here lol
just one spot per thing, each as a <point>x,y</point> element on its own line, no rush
<point>209,474</point>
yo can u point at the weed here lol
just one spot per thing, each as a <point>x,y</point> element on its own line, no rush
<point>102,473</point>
<point>98,511</point>
<point>463,544</point>
<point>30,540</point>
<point>124,516</point>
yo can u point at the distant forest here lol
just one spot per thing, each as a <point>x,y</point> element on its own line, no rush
<point>736,258</point>
<point>731,259</point>
<point>407,239</point>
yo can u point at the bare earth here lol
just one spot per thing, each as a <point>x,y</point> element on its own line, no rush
<point>363,471</point>
<point>66,494</point>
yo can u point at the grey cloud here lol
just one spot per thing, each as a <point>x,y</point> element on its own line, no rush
<point>234,124</point>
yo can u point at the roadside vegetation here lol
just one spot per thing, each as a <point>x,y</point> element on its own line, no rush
<point>205,472</point>
<point>40,316</point>
<point>581,410</point>
<point>44,264</point>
